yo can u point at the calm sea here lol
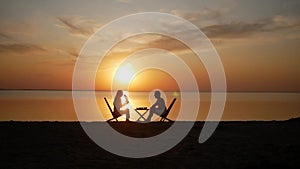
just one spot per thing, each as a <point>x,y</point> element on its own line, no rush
<point>23,105</point>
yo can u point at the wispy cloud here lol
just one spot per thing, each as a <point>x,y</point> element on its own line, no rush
<point>205,14</point>
<point>232,30</point>
<point>78,26</point>
<point>5,36</point>
<point>278,22</point>
<point>19,28</point>
<point>216,24</point>
<point>21,48</point>
<point>124,1</point>
<point>73,53</point>
<point>244,29</point>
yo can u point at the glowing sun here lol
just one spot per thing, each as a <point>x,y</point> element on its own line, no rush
<point>124,73</point>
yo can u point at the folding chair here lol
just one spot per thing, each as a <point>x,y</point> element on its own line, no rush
<point>114,113</point>
<point>167,111</point>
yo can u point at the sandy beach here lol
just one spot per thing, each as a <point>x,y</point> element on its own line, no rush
<point>233,145</point>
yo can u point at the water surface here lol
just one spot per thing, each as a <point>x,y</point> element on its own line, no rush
<point>20,105</point>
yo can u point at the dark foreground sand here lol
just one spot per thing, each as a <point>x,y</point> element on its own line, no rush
<point>233,145</point>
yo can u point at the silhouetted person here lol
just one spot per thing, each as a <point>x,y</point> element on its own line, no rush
<point>158,107</point>
<point>121,107</point>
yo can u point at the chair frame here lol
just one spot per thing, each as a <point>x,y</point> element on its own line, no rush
<point>166,112</point>
<point>115,114</point>
<point>163,116</point>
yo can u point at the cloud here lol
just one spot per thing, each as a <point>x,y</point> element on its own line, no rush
<point>245,29</point>
<point>73,53</point>
<point>78,26</point>
<point>5,36</point>
<point>21,48</point>
<point>232,30</point>
<point>216,25</point>
<point>205,14</point>
<point>16,27</point>
<point>279,22</point>
<point>124,1</point>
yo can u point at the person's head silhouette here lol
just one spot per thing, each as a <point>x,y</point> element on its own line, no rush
<point>119,93</point>
<point>157,94</point>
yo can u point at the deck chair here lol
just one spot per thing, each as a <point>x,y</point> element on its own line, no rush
<point>167,111</point>
<point>114,113</point>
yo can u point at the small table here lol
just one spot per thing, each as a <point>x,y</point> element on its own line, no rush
<point>145,109</point>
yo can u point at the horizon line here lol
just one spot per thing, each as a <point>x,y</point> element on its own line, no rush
<point>231,91</point>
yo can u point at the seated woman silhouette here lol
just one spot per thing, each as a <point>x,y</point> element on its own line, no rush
<point>121,107</point>
<point>158,107</point>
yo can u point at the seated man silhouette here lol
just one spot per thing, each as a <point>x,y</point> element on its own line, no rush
<point>120,107</point>
<point>158,107</point>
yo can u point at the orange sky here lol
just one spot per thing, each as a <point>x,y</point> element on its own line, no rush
<point>258,45</point>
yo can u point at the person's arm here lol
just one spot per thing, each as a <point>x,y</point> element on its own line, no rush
<point>126,100</point>
<point>155,104</point>
<point>124,105</point>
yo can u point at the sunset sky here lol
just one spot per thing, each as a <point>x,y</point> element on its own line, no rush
<point>257,41</point>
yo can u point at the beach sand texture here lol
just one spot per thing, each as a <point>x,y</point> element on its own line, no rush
<point>233,145</point>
